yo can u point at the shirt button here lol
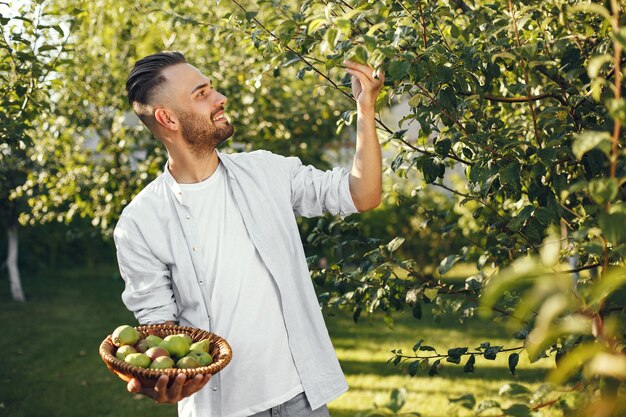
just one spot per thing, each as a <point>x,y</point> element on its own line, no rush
<point>194,248</point>
<point>214,388</point>
<point>188,216</point>
<point>201,282</point>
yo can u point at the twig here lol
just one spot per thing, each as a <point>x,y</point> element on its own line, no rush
<point>423,22</point>
<point>442,355</point>
<point>331,82</point>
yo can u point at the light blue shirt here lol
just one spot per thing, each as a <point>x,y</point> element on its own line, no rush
<point>160,260</point>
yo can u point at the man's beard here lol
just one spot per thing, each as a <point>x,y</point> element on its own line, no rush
<point>202,136</point>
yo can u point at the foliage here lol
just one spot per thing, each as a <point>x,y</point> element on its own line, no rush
<point>93,154</point>
<point>526,101</point>
<point>32,45</point>
<point>517,166</point>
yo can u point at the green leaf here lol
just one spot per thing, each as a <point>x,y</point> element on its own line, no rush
<point>513,361</point>
<point>447,263</point>
<point>613,226</point>
<point>431,293</point>
<point>611,281</point>
<point>44,48</point>
<point>434,369</point>
<point>344,25</point>
<point>398,399</point>
<point>399,69</point>
<point>466,401</point>
<point>447,99</point>
<point>442,147</point>
<point>491,352</point>
<point>513,390</point>
<point>395,244</point>
<point>315,25</point>
<point>416,100</point>
<point>413,368</point>
<point>518,410</point>
<point>469,365</point>
<point>596,63</point>
<point>428,348</point>
<point>417,345</point>
<point>603,190</point>
<point>591,8</point>
<point>457,351</point>
<point>454,359</point>
<point>586,141</point>
<point>251,15</point>
<point>573,360</point>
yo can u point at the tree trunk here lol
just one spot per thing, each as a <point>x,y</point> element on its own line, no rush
<point>14,272</point>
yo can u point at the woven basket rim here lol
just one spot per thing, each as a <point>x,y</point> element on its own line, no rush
<point>127,371</point>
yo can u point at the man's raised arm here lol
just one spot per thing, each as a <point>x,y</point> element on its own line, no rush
<point>366,173</point>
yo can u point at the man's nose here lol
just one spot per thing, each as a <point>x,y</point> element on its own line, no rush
<point>220,99</point>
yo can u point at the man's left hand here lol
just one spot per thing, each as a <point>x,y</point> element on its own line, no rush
<point>366,84</point>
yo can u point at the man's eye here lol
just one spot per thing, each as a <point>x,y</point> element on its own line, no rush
<point>201,94</point>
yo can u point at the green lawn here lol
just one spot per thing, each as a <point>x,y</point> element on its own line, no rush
<point>51,367</point>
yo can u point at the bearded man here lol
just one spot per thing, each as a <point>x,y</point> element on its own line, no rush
<point>213,243</point>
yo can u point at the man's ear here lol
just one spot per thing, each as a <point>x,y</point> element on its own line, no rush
<point>166,119</point>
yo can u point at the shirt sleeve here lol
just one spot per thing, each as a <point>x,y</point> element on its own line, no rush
<point>148,288</point>
<point>315,192</point>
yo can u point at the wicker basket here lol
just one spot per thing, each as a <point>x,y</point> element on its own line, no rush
<point>218,348</point>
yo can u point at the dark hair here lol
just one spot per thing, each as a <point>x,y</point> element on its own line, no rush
<point>146,75</point>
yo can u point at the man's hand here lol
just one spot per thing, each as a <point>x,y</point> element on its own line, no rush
<point>180,388</point>
<point>366,85</point>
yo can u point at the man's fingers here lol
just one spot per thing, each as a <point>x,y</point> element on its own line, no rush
<point>363,79</point>
<point>174,392</point>
<point>364,69</point>
<point>159,393</point>
<point>192,385</point>
<point>134,385</point>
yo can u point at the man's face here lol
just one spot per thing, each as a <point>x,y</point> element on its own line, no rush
<point>198,107</point>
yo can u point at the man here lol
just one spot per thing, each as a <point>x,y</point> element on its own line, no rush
<point>213,243</point>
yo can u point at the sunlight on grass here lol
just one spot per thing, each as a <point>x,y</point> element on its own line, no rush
<point>363,350</point>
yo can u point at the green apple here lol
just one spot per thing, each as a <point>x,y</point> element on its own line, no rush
<point>187,362</point>
<point>124,351</point>
<point>153,340</point>
<point>201,346</point>
<point>187,338</point>
<point>140,360</point>
<point>204,358</point>
<point>162,362</point>
<point>125,335</point>
<point>142,346</point>
<point>177,346</point>
<point>156,352</point>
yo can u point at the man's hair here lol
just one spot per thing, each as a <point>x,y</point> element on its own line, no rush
<point>147,75</point>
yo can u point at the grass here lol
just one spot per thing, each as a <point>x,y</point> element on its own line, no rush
<point>51,367</point>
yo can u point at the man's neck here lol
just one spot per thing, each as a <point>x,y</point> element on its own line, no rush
<point>188,170</point>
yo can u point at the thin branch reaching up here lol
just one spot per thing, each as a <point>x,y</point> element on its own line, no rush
<point>332,83</point>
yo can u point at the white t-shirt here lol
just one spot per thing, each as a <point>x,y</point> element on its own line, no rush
<point>246,304</point>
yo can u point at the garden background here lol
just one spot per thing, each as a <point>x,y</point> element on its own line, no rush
<point>489,281</point>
